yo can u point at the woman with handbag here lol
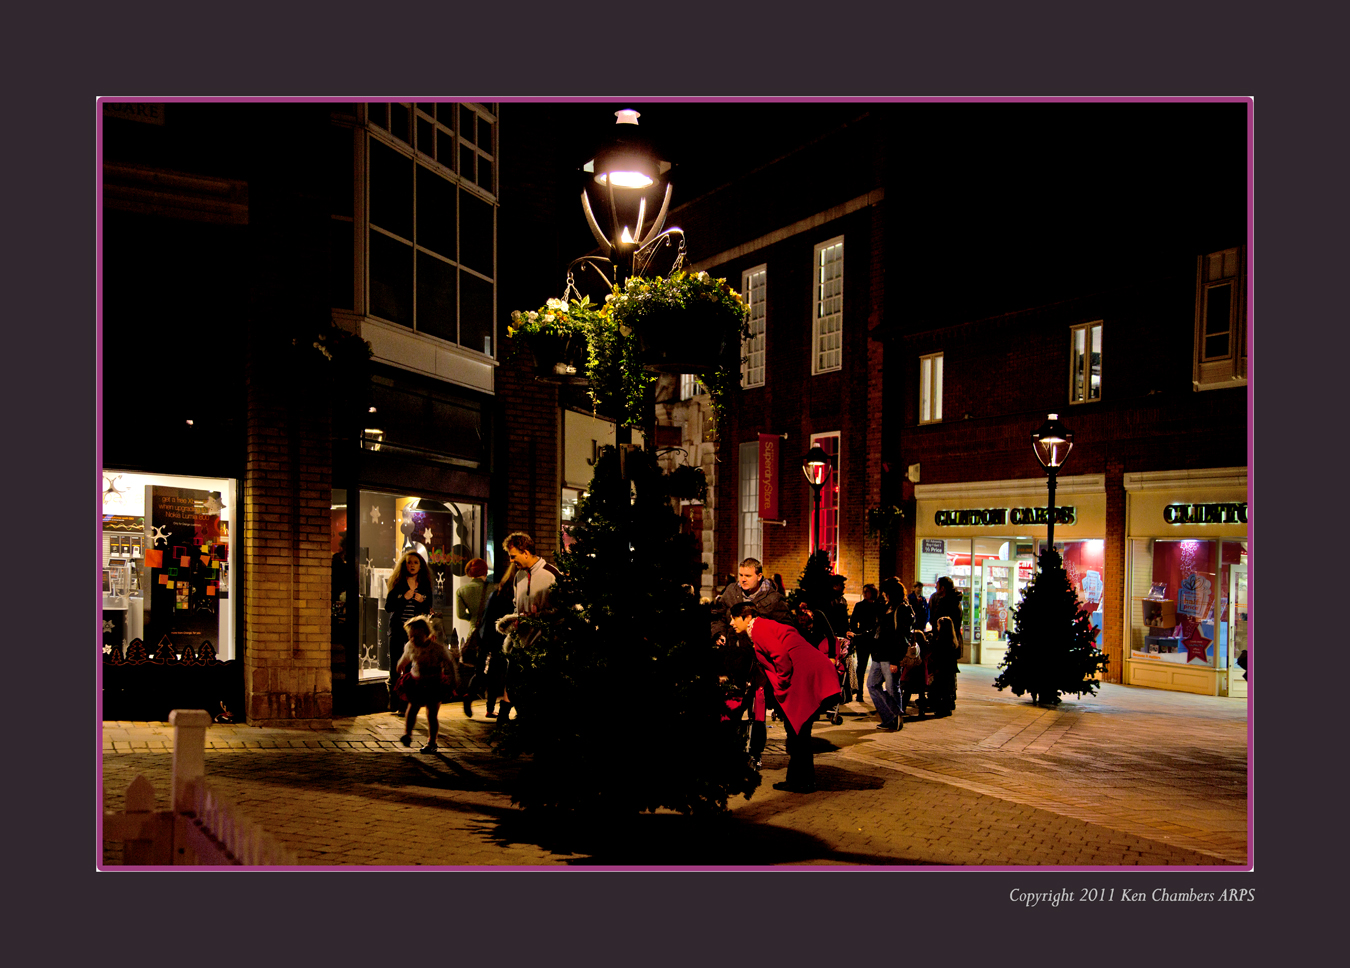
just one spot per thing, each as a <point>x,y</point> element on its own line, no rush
<point>470,603</point>
<point>491,675</point>
<point>862,626</point>
<point>889,647</point>
<point>425,669</point>
<point>409,594</point>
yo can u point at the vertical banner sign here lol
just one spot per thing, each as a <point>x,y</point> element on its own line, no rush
<point>768,476</point>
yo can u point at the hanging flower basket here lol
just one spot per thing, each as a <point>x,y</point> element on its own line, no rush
<point>560,358</point>
<point>557,337</point>
<point>689,323</point>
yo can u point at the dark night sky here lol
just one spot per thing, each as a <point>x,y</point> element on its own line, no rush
<point>1002,205</point>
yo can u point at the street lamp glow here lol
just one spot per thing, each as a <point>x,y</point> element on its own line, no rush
<point>1052,443</point>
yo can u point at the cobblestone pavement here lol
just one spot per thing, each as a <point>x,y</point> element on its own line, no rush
<point>1129,777</point>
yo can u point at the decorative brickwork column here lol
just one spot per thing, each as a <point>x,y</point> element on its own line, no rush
<point>287,492</point>
<point>531,434</point>
<point>1116,594</point>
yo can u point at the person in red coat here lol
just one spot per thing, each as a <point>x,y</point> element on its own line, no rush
<point>803,680</point>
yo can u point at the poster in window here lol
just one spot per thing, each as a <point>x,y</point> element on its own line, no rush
<point>180,606</point>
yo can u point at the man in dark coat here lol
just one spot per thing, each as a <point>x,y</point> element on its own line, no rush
<point>750,586</point>
<point>803,681</point>
<point>920,606</point>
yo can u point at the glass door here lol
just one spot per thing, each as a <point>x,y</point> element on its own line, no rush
<point>998,594</point>
<point>1237,612</point>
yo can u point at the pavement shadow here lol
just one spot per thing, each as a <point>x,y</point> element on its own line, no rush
<point>674,840</point>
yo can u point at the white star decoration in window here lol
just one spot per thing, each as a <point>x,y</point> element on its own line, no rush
<point>107,625</point>
<point>161,534</point>
<point>107,650</point>
<point>426,534</point>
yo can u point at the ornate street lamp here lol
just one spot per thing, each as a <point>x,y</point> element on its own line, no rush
<point>1052,443</point>
<point>816,467</point>
<point>623,172</point>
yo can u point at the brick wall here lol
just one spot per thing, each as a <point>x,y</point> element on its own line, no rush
<point>286,558</point>
<point>529,447</point>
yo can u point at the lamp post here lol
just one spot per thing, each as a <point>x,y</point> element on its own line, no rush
<point>624,169</point>
<point>1052,443</point>
<point>816,467</point>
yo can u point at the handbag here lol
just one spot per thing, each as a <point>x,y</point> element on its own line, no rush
<point>469,651</point>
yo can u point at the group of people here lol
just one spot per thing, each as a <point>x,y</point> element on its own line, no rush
<point>898,642</point>
<point>795,662</point>
<point>426,670</point>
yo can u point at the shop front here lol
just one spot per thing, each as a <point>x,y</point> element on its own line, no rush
<point>168,615</point>
<point>1187,563</point>
<point>417,482</point>
<point>985,537</point>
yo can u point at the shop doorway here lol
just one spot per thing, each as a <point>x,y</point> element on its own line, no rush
<point>1237,611</point>
<point>999,592</point>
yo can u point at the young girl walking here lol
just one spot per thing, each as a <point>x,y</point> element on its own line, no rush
<point>429,667</point>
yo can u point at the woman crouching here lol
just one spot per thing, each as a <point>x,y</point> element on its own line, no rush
<point>804,681</point>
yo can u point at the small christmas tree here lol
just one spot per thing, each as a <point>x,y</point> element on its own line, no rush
<point>813,584</point>
<point>1052,645</point>
<point>620,706</point>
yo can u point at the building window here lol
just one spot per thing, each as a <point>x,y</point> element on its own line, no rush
<point>1085,362</point>
<point>447,534</point>
<point>751,532</point>
<point>431,212</point>
<point>752,350</point>
<point>689,386</point>
<point>930,388</point>
<point>827,336</point>
<point>1221,320</point>
<point>827,538</point>
<point>166,567</point>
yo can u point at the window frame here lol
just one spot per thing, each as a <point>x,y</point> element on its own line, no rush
<point>428,164</point>
<point>1086,329</point>
<point>754,347</point>
<point>830,510</point>
<point>1230,369</point>
<point>926,381</point>
<point>747,504</point>
<point>819,299</point>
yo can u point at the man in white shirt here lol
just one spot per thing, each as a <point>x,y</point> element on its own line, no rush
<point>534,582</point>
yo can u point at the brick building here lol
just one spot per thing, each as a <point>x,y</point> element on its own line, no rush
<point>928,282</point>
<point>261,480</point>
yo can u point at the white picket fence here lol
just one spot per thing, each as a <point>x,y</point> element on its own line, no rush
<point>202,829</point>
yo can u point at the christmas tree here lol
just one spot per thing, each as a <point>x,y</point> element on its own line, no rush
<point>619,704</point>
<point>1052,645</point>
<point>813,584</point>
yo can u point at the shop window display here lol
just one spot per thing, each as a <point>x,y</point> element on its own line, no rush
<point>166,569</point>
<point>447,534</point>
<point>990,574</point>
<point>1085,564</point>
<point>1194,609</point>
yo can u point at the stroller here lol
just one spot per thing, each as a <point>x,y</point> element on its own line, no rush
<point>841,666</point>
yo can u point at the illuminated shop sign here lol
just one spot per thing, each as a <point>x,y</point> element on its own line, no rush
<point>977,517</point>
<point>1235,513</point>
